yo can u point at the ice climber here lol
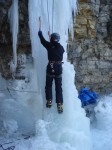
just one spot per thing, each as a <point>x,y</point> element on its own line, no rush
<point>54,68</point>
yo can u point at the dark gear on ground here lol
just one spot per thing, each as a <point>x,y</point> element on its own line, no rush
<point>54,68</point>
<point>90,113</point>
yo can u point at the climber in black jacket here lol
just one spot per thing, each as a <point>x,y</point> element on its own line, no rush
<point>54,68</point>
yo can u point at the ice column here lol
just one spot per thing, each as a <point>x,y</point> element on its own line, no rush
<point>13,17</point>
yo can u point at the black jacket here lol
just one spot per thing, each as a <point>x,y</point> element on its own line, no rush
<point>55,50</point>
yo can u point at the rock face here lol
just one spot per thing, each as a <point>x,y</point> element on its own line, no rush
<point>24,33</point>
<point>91,50</point>
<point>5,38</point>
<point>4,6</point>
<point>24,44</point>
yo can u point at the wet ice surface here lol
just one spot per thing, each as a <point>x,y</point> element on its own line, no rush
<point>102,127</point>
<point>65,128</point>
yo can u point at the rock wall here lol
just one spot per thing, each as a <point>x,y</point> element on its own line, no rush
<point>24,43</point>
<point>91,50</point>
<point>5,38</point>
<point>24,32</point>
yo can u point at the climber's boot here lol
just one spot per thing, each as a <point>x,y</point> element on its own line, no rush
<point>59,107</point>
<point>49,104</point>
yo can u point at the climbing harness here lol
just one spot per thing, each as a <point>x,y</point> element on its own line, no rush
<point>52,67</point>
<point>51,63</point>
<point>54,76</point>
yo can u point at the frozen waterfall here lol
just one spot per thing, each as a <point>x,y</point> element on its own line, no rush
<point>25,122</point>
<point>72,126</point>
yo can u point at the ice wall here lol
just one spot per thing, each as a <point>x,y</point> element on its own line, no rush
<point>72,126</point>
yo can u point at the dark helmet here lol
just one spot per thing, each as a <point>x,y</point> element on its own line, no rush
<point>55,37</point>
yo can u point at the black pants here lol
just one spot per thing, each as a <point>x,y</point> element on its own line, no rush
<point>54,71</point>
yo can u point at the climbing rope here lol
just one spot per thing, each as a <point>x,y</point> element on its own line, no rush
<point>52,14</point>
<point>48,14</point>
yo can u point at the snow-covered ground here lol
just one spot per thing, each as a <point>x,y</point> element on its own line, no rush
<point>101,131</point>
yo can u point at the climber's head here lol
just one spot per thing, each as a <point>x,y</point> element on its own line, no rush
<point>55,37</point>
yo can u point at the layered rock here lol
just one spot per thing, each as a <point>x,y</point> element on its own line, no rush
<point>91,50</point>
<point>24,33</point>
<point>5,38</point>
<point>23,43</point>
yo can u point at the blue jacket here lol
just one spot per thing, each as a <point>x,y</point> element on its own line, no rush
<point>87,97</point>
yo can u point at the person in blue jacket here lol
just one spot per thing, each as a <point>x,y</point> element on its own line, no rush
<point>87,96</point>
<point>54,68</point>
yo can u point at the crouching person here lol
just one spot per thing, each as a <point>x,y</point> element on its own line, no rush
<point>88,100</point>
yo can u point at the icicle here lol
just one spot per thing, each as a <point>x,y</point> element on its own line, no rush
<point>13,17</point>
